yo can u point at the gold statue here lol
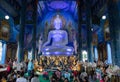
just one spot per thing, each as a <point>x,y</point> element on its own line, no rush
<point>56,62</point>
<point>78,66</point>
<point>40,61</point>
<point>48,61</point>
<point>65,61</point>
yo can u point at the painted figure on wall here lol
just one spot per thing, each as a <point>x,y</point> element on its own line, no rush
<point>4,30</point>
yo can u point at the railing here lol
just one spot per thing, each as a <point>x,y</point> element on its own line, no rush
<point>3,69</point>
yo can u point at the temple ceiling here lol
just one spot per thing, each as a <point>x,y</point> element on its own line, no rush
<point>12,8</point>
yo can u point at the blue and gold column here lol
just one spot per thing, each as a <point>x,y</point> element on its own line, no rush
<point>79,37</point>
<point>89,32</point>
<point>20,49</point>
<point>34,28</point>
<point>114,22</point>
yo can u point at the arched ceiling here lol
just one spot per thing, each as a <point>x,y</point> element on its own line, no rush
<point>12,8</point>
<point>57,6</point>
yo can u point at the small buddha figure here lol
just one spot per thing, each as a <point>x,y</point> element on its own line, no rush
<point>36,62</point>
<point>36,65</point>
<point>40,62</point>
<point>78,65</point>
<point>48,61</point>
<point>74,62</point>
<point>56,62</point>
<point>65,62</point>
<point>57,40</point>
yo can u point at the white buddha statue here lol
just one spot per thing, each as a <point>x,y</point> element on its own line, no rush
<point>57,40</point>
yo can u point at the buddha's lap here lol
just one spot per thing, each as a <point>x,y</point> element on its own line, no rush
<point>58,47</point>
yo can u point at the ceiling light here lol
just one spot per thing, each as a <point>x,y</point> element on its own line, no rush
<point>91,29</point>
<point>103,17</point>
<point>7,17</point>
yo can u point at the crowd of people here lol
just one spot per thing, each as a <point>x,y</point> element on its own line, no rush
<point>25,72</point>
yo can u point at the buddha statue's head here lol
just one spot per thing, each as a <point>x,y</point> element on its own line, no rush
<point>57,22</point>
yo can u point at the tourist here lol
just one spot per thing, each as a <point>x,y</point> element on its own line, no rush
<point>30,67</point>
<point>3,79</point>
<point>75,73</point>
<point>106,64</point>
<point>53,78</point>
<point>45,75</point>
<point>9,76</point>
<point>98,73</point>
<point>26,62</point>
<point>35,78</point>
<point>84,76</point>
<point>19,67</point>
<point>15,64</point>
<point>58,74</point>
<point>10,62</point>
<point>21,78</point>
<point>14,76</point>
<point>8,69</point>
<point>67,75</point>
<point>24,66</point>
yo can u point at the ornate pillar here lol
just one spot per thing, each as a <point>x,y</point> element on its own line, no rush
<point>34,28</point>
<point>114,22</point>
<point>89,26</point>
<point>20,49</point>
<point>79,37</point>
